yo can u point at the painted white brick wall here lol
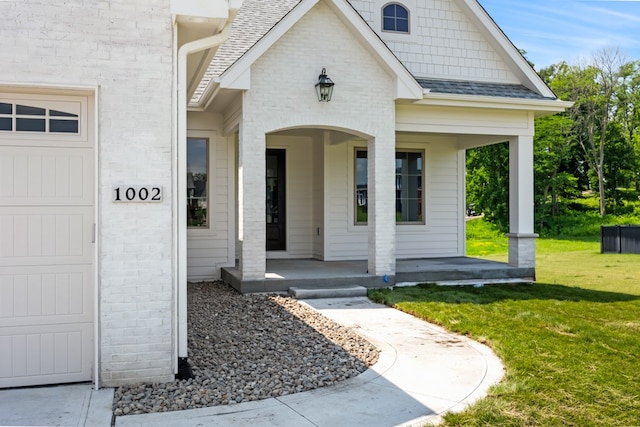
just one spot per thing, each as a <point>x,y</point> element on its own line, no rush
<point>282,96</point>
<point>125,48</point>
<point>444,43</point>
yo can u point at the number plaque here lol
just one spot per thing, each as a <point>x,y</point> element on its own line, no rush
<point>137,193</point>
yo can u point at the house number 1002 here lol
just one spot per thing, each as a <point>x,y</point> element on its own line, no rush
<point>142,193</point>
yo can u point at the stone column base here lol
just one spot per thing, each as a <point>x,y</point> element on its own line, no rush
<point>522,249</point>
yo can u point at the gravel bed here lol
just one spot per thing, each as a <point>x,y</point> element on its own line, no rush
<point>251,347</point>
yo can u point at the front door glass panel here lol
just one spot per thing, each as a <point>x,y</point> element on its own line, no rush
<point>275,200</point>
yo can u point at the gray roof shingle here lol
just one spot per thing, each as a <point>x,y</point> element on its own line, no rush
<point>479,88</point>
<point>254,19</point>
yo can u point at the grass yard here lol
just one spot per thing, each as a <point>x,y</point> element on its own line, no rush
<point>570,343</point>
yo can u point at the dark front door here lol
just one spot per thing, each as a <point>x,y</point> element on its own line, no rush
<point>276,230</point>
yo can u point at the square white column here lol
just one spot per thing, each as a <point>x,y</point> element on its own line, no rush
<point>522,250</point>
<point>251,203</point>
<point>381,205</point>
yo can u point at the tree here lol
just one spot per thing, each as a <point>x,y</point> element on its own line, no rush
<point>619,170</point>
<point>593,145</point>
<point>554,149</point>
<point>488,182</point>
<point>594,90</point>
<point>628,115</point>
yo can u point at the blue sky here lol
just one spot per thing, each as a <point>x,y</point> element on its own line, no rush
<point>571,30</point>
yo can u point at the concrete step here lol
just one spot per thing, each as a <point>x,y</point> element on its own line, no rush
<point>472,282</point>
<point>299,292</point>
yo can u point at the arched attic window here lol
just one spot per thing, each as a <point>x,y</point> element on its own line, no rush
<point>395,18</point>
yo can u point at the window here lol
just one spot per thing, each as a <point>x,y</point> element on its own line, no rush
<point>197,182</point>
<point>27,118</point>
<point>361,187</point>
<point>395,17</point>
<point>408,185</point>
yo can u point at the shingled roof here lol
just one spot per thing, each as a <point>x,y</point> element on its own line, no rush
<point>479,88</point>
<point>257,17</point>
<point>254,19</point>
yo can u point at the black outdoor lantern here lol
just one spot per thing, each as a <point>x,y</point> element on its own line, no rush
<point>324,87</point>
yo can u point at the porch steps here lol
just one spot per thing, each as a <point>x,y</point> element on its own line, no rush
<point>330,292</point>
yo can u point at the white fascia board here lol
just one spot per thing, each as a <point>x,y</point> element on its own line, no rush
<point>234,6</point>
<point>213,13</point>
<point>209,94</point>
<point>406,85</point>
<point>496,37</point>
<point>539,106</point>
<point>405,90</point>
<point>235,77</point>
<point>239,80</point>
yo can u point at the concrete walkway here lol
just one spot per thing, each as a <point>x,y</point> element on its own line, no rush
<point>423,372</point>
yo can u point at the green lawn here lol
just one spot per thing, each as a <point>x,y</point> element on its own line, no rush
<point>570,343</point>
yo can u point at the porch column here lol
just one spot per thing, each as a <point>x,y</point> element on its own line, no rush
<point>381,205</point>
<point>522,244</point>
<point>251,203</point>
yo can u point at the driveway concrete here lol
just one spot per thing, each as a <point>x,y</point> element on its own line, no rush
<point>67,405</point>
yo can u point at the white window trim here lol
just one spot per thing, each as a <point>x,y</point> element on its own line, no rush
<point>422,151</point>
<point>77,105</point>
<point>209,231</point>
<point>401,227</point>
<point>352,226</point>
<point>395,3</point>
<point>411,36</point>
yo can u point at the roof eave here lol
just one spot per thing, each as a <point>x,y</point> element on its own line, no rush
<point>540,107</point>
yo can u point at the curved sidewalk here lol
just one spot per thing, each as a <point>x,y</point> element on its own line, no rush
<point>423,372</point>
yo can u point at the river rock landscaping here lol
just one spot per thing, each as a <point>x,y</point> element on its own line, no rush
<point>251,347</point>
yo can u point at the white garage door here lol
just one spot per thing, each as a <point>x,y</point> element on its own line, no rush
<point>46,233</point>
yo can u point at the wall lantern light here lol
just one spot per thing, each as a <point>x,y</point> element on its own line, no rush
<point>324,87</point>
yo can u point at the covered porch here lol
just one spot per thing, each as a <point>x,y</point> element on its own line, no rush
<point>282,274</point>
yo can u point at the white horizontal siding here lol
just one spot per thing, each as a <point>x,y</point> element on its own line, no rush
<point>343,240</point>
<point>209,249</point>
<point>467,121</point>
<point>299,195</point>
<point>438,237</point>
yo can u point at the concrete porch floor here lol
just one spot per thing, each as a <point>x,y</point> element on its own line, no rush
<point>282,274</point>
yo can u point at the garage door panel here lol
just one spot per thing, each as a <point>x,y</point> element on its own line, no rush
<point>56,294</point>
<point>46,250</point>
<point>45,235</point>
<point>52,176</point>
<point>53,354</point>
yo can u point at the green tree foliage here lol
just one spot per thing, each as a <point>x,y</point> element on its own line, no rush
<point>620,169</point>
<point>554,168</point>
<point>488,182</point>
<point>594,146</point>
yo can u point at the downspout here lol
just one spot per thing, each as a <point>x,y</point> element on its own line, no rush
<point>183,370</point>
